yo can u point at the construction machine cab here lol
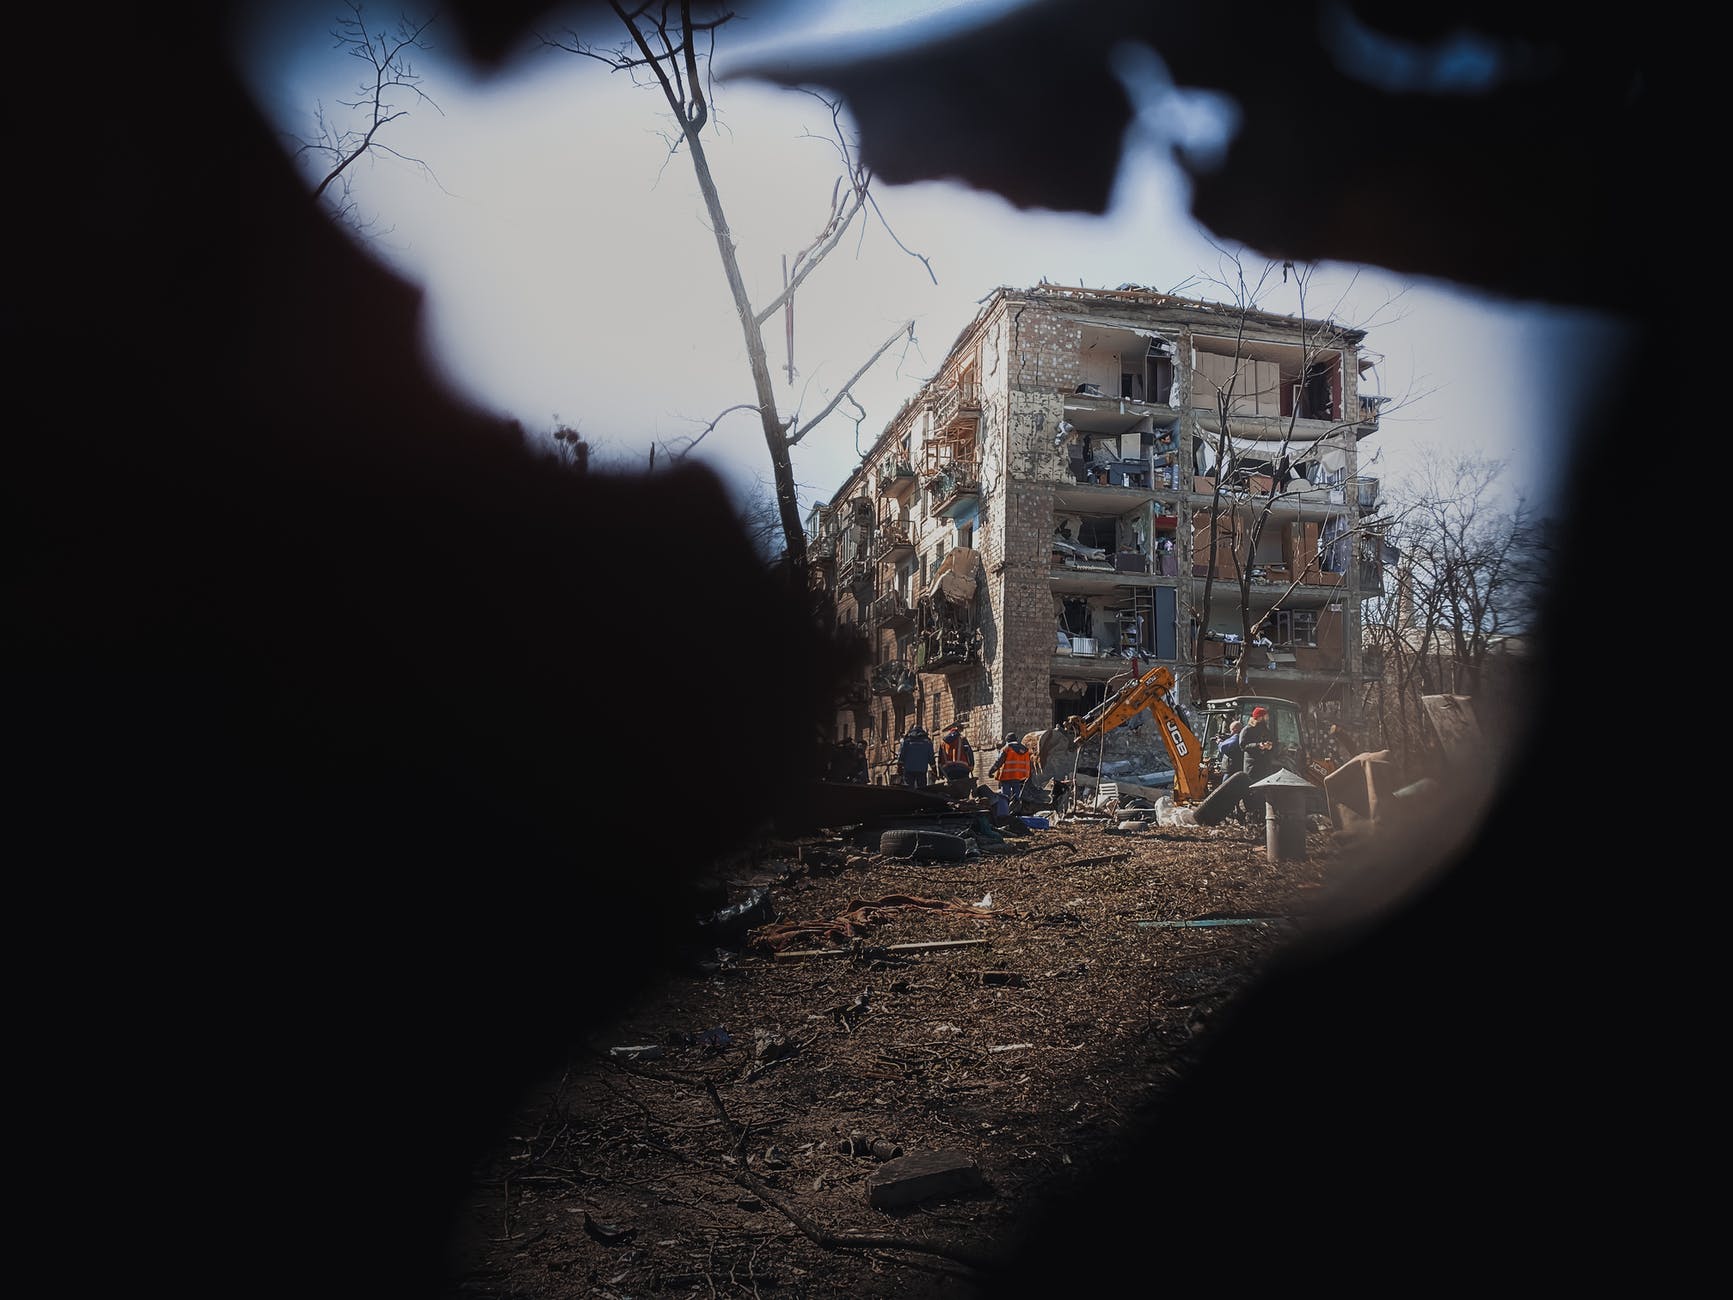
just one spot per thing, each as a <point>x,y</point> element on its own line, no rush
<point>1289,735</point>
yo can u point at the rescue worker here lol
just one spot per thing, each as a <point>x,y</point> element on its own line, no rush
<point>915,756</point>
<point>1230,762</point>
<point>956,761</point>
<point>1014,766</point>
<point>1228,756</point>
<point>1258,744</point>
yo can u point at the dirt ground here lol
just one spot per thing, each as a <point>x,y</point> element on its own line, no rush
<point>733,1155</point>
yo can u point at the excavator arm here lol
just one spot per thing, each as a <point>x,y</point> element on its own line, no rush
<point>1151,691</point>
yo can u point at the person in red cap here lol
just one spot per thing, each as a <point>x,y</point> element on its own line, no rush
<point>1258,744</point>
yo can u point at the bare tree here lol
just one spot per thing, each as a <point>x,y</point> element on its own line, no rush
<point>763,521</point>
<point>670,49</point>
<point>335,146</point>
<point>1468,578</point>
<point>1239,512</point>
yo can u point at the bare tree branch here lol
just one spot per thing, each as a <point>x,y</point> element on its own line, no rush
<point>390,70</point>
<point>691,441</point>
<point>665,39</point>
<point>906,328</point>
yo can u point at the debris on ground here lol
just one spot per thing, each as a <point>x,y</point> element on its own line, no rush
<point>952,1040</point>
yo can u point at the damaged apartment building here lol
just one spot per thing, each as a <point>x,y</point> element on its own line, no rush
<point>1035,522</point>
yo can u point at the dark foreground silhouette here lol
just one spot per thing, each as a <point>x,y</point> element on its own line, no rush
<point>313,691</point>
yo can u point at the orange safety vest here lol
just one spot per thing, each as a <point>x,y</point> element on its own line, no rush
<point>1015,765</point>
<point>954,752</point>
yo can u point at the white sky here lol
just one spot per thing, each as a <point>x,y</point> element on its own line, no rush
<point>569,270</point>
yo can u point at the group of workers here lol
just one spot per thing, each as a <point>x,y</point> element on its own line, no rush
<point>952,761</point>
<point>1248,748</point>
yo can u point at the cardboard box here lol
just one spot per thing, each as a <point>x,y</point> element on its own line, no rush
<point>1201,484</point>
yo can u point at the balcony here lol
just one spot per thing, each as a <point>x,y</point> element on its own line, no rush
<point>1370,404</point>
<point>891,610</point>
<point>895,542</point>
<point>947,652</point>
<point>954,487</point>
<point>855,695</point>
<point>1120,474</point>
<point>852,638</point>
<point>893,678</point>
<point>956,405</point>
<point>896,478</point>
<point>1272,580</point>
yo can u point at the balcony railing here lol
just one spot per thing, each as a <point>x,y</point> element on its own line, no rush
<point>955,403</point>
<point>895,552</point>
<point>896,478</point>
<point>893,678</point>
<point>956,484</point>
<point>947,652</point>
<point>892,610</point>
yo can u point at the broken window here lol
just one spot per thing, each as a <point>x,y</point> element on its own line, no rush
<point>1315,393</point>
<point>1075,619</point>
<point>1289,628</point>
<point>905,576</point>
<point>1158,371</point>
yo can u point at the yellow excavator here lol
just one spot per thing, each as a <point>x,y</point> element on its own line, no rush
<point>1150,691</point>
<point>1192,778</point>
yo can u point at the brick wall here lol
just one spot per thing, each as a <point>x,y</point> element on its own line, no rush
<point>1044,351</point>
<point>1026,637</point>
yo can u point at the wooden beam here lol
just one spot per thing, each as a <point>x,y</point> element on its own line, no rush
<point>934,946</point>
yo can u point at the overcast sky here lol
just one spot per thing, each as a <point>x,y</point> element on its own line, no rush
<point>570,273</point>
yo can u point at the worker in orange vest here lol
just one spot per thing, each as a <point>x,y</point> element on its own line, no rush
<point>956,761</point>
<point>1014,766</point>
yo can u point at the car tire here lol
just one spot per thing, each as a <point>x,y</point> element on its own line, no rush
<point>929,846</point>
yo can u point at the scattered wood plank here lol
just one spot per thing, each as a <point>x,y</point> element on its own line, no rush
<point>1098,859</point>
<point>934,946</point>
